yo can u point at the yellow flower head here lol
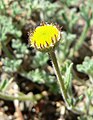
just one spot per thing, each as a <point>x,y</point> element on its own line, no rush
<point>45,37</point>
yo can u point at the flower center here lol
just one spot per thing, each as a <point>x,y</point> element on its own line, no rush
<point>45,36</point>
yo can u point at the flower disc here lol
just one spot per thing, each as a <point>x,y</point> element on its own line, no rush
<point>44,37</point>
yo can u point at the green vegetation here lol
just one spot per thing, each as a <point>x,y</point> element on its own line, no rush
<point>32,72</point>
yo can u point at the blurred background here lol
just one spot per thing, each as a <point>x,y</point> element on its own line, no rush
<point>28,75</point>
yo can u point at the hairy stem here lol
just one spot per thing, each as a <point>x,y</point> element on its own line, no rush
<point>82,37</point>
<point>21,98</point>
<point>59,77</point>
<point>61,83</point>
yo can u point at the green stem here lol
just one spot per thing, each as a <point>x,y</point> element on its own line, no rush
<point>21,98</point>
<point>82,37</point>
<point>58,74</point>
<point>6,51</point>
<point>61,84</point>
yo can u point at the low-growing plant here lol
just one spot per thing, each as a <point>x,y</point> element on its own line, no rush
<point>20,59</point>
<point>87,67</point>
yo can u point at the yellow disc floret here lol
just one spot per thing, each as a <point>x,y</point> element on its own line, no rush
<point>44,37</point>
